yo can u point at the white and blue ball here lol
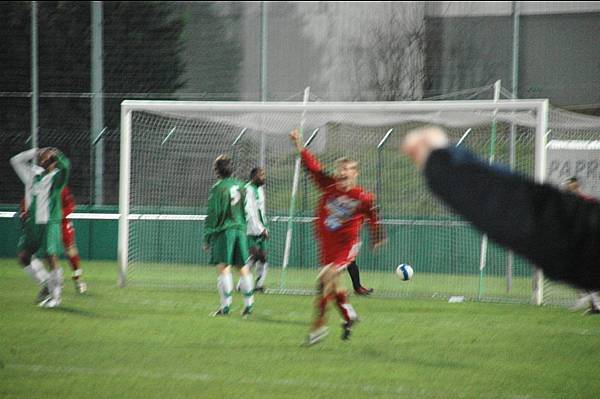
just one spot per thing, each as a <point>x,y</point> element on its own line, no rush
<point>405,272</point>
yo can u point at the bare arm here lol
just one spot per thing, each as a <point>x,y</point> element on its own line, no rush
<point>311,163</point>
<point>297,140</point>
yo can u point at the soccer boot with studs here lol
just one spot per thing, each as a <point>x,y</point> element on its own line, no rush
<point>247,312</point>
<point>221,312</point>
<point>316,336</point>
<point>42,295</point>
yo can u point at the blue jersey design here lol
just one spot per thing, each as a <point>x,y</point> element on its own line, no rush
<point>339,209</point>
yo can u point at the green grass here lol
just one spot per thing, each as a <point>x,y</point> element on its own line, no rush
<point>385,282</point>
<point>158,343</point>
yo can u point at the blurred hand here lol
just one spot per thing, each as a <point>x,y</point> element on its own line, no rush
<point>206,247</point>
<point>265,234</point>
<point>379,244</point>
<point>296,139</point>
<point>47,156</point>
<point>419,143</point>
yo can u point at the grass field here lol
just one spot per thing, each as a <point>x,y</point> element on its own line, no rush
<point>158,343</point>
<point>491,288</point>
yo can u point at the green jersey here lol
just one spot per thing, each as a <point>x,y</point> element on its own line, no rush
<point>225,208</point>
<point>42,188</point>
<point>255,209</point>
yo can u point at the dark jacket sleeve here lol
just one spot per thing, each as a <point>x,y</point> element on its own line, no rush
<point>557,231</point>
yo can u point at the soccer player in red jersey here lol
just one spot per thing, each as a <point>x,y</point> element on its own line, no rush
<point>68,238</point>
<point>341,211</point>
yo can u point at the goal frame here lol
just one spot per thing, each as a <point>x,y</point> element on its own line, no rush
<point>539,106</point>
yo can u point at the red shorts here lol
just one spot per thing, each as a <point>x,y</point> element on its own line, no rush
<point>340,255</point>
<point>68,233</point>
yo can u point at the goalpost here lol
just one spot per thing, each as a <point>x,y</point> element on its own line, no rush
<point>167,150</point>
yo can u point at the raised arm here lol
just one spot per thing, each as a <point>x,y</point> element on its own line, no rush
<point>311,163</point>
<point>21,163</point>
<point>64,166</point>
<point>557,231</point>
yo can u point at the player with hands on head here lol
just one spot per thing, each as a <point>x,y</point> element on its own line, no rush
<point>42,216</point>
<point>68,239</point>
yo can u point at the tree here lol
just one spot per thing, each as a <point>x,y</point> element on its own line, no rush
<point>371,51</point>
<point>142,54</point>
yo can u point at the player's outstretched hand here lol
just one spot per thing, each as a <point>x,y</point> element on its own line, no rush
<point>419,143</point>
<point>296,139</point>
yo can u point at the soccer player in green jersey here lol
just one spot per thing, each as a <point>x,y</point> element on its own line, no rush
<point>41,236</point>
<point>257,225</point>
<point>225,236</point>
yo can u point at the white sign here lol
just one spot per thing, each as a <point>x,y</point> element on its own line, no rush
<point>574,158</point>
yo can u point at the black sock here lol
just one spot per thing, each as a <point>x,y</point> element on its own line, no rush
<point>354,275</point>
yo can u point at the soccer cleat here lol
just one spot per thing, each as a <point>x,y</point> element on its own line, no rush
<point>49,303</point>
<point>247,312</point>
<point>316,336</point>
<point>362,291</point>
<point>43,295</point>
<point>347,329</point>
<point>80,287</point>
<point>221,312</point>
<point>259,289</point>
<point>592,311</point>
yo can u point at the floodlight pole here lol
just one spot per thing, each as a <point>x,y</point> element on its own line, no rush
<point>34,75</point>
<point>264,57</point>
<point>97,128</point>
<point>513,134</point>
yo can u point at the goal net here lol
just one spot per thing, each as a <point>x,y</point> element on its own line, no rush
<point>167,152</point>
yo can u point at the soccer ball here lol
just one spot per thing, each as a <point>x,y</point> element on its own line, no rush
<point>405,272</point>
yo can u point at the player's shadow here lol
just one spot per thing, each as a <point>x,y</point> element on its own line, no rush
<point>74,311</point>
<point>267,319</point>
<point>403,358</point>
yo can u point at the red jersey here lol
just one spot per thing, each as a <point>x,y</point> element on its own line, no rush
<point>68,202</point>
<point>340,214</point>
